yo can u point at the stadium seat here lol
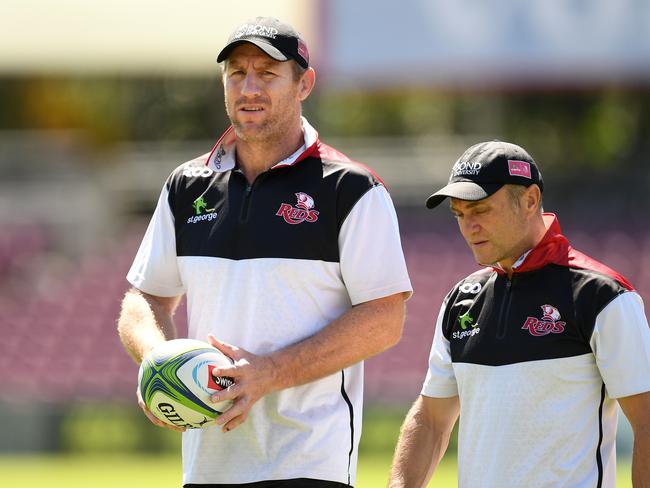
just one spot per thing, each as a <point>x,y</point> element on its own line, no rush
<point>59,339</point>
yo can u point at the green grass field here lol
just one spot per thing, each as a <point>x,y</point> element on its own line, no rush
<point>104,450</point>
<point>163,471</point>
<point>82,471</point>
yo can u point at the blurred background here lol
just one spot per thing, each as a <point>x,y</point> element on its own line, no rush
<point>101,100</point>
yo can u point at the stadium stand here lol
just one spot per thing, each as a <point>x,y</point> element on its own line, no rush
<point>59,340</point>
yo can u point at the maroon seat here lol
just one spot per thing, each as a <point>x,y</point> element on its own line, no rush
<point>59,341</point>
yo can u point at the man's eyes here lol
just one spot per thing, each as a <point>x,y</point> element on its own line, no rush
<point>240,72</point>
<point>474,211</point>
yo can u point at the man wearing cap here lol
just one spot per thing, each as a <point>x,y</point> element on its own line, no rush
<point>290,257</point>
<point>535,352</point>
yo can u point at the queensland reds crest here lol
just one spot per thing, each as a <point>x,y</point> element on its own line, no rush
<point>303,211</point>
<point>550,322</point>
<point>304,201</point>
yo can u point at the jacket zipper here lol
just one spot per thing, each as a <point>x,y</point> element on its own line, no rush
<point>248,196</point>
<point>246,204</point>
<point>504,310</point>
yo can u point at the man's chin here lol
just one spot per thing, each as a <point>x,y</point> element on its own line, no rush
<point>484,261</point>
<point>251,132</point>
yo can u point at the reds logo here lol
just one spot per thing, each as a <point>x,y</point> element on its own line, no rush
<point>549,323</point>
<point>304,201</point>
<point>551,313</point>
<point>302,212</point>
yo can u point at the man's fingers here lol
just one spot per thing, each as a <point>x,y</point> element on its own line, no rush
<point>152,418</point>
<point>236,422</point>
<point>239,407</point>
<point>243,392</point>
<point>139,397</point>
<point>156,421</point>
<point>234,416</point>
<point>230,393</point>
<point>227,371</point>
<point>228,349</point>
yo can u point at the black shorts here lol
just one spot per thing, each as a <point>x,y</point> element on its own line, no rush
<point>294,483</point>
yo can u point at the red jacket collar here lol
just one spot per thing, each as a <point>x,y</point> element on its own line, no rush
<point>554,248</point>
<point>222,156</point>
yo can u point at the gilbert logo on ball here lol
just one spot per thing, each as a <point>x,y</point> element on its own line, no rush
<point>176,382</point>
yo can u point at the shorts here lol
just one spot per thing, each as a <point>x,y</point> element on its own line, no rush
<point>293,483</point>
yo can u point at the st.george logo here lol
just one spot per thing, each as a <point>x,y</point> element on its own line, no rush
<point>470,328</point>
<point>303,211</point>
<point>200,206</point>
<point>550,322</point>
<point>201,211</point>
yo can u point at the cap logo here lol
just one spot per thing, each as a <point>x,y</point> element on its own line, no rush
<point>519,168</point>
<point>466,169</point>
<point>302,49</point>
<point>255,30</point>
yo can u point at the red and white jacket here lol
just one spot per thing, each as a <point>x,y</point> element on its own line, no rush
<point>265,265</point>
<point>537,361</point>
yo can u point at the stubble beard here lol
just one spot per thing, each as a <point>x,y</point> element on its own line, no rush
<point>274,128</point>
<point>484,261</point>
<point>487,257</point>
<point>261,132</point>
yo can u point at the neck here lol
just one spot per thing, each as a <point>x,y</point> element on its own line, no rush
<point>257,156</point>
<point>533,237</point>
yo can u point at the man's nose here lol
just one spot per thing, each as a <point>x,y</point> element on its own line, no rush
<point>470,225</point>
<point>250,85</point>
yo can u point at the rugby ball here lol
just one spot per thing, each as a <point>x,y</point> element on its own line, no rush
<point>176,382</point>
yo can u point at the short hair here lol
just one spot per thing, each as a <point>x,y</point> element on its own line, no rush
<point>516,191</point>
<point>296,69</point>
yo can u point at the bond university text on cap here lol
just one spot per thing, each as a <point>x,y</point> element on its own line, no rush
<point>484,168</point>
<point>275,38</point>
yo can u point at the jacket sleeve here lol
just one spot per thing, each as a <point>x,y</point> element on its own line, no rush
<point>440,381</point>
<point>621,344</point>
<point>155,267</point>
<point>371,258</point>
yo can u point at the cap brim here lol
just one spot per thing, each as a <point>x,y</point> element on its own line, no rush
<point>463,190</point>
<point>261,43</point>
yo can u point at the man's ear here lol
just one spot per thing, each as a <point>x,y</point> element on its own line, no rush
<point>306,83</point>
<point>532,200</point>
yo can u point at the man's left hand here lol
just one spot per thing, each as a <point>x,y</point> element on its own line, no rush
<point>253,375</point>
